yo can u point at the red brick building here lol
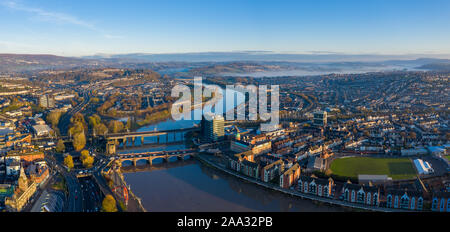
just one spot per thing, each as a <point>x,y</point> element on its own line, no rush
<point>290,177</point>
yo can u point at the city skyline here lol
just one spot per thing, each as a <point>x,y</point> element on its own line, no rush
<point>325,27</point>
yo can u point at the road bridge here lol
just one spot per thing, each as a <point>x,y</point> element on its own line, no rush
<point>150,156</point>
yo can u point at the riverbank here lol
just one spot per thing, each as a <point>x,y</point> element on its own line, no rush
<point>134,202</point>
<point>209,161</point>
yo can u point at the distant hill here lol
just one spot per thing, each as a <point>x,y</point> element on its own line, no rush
<point>437,65</point>
<point>229,63</point>
<point>24,62</point>
<point>259,56</point>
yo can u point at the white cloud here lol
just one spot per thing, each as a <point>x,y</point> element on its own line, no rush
<point>54,17</point>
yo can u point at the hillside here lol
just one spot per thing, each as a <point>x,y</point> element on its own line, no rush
<point>23,62</point>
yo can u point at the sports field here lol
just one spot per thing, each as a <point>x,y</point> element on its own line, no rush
<point>401,168</point>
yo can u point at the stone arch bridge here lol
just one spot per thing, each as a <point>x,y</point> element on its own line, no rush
<point>150,156</point>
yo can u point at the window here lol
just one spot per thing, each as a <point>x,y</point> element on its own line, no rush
<point>442,204</point>
<point>434,204</point>
<point>353,196</point>
<point>360,197</point>
<point>389,201</point>
<point>420,203</point>
<point>312,188</point>
<point>396,202</point>
<point>368,198</point>
<point>448,205</point>
<point>375,199</point>
<point>404,202</point>
<point>325,189</point>
<point>413,203</point>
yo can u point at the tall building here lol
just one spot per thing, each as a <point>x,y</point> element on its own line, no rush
<point>213,130</point>
<point>46,101</point>
<point>320,118</point>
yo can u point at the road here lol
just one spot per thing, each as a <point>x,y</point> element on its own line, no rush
<point>74,201</point>
<point>64,122</point>
<point>91,194</point>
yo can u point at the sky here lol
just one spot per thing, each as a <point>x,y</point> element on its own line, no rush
<point>86,27</point>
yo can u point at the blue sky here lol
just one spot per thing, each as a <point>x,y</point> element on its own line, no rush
<point>86,27</point>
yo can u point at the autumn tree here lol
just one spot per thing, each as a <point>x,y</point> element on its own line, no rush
<point>94,120</point>
<point>87,159</point>
<point>79,141</point>
<point>100,129</point>
<point>109,204</point>
<point>78,117</point>
<point>60,147</point>
<point>115,126</point>
<point>53,117</point>
<point>76,128</point>
<point>68,161</point>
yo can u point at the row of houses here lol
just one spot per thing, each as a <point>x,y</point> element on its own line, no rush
<point>267,169</point>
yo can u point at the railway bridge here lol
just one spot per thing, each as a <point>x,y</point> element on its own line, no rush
<point>113,140</point>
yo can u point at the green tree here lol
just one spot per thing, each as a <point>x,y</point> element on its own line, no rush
<point>109,204</point>
<point>79,141</point>
<point>68,161</point>
<point>60,147</point>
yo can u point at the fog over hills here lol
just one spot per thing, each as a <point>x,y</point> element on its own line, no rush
<point>262,56</point>
<point>253,63</point>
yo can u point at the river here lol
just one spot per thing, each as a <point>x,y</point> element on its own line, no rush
<point>190,186</point>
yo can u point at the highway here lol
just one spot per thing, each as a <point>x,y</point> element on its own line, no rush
<point>91,194</point>
<point>74,202</point>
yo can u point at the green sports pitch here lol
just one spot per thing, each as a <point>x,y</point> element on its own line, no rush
<point>397,168</point>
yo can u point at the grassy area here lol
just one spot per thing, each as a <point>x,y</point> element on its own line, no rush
<point>155,117</point>
<point>60,184</point>
<point>401,168</point>
<point>447,157</point>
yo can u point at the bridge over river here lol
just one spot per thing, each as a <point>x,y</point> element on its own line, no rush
<point>150,156</point>
<point>125,139</point>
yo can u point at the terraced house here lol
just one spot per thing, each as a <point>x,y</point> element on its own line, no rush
<point>315,186</point>
<point>243,163</point>
<point>441,202</point>
<point>362,194</point>
<point>290,177</point>
<point>270,171</point>
<point>404,199</point>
